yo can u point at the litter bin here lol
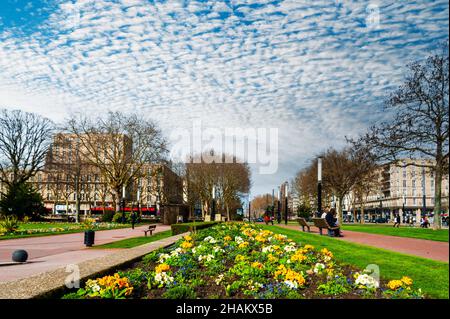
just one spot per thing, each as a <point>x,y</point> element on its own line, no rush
<point>89,236</point>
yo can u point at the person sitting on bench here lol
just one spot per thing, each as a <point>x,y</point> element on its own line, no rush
<point>332,221</point>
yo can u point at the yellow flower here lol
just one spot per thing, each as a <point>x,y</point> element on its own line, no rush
<point>407,281</point>
<point>272,257</point>
<point>187,238</point>
<point>227,238</point>
<point>394,284</point>
<point>162,268</point>
<point>257,264</point>
<point>281,270</point>
<point>260,238</point>
<point>240,258</point>
<point>186,245</point>
<point>298,256</point>
<point>243,244</point>
<point>295,276</point>
<point>308,247</point>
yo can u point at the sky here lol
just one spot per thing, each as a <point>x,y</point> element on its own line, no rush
<point>314,71</point>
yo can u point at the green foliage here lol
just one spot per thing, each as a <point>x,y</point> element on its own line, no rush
<point>186,227</point>
<point>22,200</point>
<point>72,295</point>
<point>334,287</point>
<point>9,224</point>
<point>304,211</point>
<point>107,217</point>
<point>180,292</point>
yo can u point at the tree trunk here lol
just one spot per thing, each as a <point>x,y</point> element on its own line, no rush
<point>228,213</point>
<point>437,196</point>
<point>340,213</point>
<point>361,220</point>
<point>117,195</point>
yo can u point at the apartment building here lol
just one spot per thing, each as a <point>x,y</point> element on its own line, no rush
<point>403,188</point>
<point>68,174</point>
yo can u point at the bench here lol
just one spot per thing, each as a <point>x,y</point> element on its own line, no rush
<point>302,222</point>
<point>150,229</point>
<point>322,223</point>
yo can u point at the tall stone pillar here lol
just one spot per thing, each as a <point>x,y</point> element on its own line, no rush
<point>418,216</point>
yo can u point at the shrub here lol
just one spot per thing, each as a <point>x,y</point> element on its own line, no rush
<point>117,218</point>
<point>22,200</point>
<point>10,224</point>
<point>185,227</point>
<point>107,217</point>
<point>180,292</point>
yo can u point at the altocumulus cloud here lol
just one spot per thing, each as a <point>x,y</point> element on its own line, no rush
<point>316,70</point>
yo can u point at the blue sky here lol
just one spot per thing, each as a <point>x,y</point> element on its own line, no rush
<point>316,70</point>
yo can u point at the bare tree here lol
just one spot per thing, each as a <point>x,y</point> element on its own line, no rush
<point>119,145</point>
<point>230,178</point>
<point>24,141</point>
<point>420,126</point>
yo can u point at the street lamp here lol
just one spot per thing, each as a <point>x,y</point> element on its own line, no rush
<point>286,203</point>
<point>319,186</point>
<point>279,206</point>
<point>122,203</point>
<point>424,197</point>
<point>213,211</point>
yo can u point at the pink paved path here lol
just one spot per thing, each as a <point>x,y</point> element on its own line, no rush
<point>50,252</point>
<point>418,247</point>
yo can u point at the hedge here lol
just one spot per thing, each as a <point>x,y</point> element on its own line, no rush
<point>185,227</point>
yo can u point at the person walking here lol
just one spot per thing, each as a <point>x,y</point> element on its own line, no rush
<point>397,221</point>
<point>133,219</point>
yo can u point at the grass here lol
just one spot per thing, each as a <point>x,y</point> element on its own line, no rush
<point>49,225</point>
<point>136,241</point>
<point>403,231</point>
<point>432,276</point>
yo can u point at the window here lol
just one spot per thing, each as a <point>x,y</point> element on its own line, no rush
<point>404,183</point>
<point>414,183</point>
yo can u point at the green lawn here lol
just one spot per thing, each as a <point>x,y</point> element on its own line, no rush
<point>432,276</point>
<point>45,229</point>
<point>403,231</point>
<point>136,241</point>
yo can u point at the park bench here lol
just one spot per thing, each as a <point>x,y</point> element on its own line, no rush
<point>150,229</point>
<point>322,223</point>
<point>302,222</point>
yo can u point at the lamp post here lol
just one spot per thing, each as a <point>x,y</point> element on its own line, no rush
<point>122,204</point>
<point>403,206</point>
<point>279,206</point>
<point>249,210</point>
<point>424,197</point>
<point>213,210</point>
<point>319,186</point>
<point>273,205</point>
<point>286,203</point>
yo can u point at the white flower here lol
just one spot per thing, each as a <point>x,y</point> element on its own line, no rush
<point>210,240</point>
<point>205,257</point>
<point>367,280</point>
<point>219,279</point>
<point>163,278</point>
<point>238,239</point>
<point>163,258</point>
<point>290,248</point>
<point>217,249</point>
<point>318,268</point>
<point>291,284</point>
<point>267,249</point>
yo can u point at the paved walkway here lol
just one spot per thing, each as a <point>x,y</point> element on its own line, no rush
<point>50,252</point>
<point>418,247</point>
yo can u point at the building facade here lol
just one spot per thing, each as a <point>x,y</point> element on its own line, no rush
<point>67,178</point>
<point>404,189</point>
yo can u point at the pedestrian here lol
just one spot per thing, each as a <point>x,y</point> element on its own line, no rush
<point>397,221</point>
<point>133,219</point>
<point>266,219</point>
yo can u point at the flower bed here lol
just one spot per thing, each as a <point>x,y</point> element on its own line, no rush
<point>50,230</point>
<point>237,260</point>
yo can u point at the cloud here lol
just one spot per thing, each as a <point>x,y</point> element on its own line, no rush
<point>314,70</point>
